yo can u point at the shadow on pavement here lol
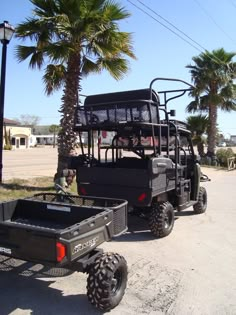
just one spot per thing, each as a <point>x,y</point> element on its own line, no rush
<point>138,230</point>
<point>185,213</point>
<point>22,289</point>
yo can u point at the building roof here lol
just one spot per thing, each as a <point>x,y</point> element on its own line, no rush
<point>11,122</point>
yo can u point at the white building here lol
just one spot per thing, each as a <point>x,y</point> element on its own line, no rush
<point>233,139</point>
<point>45,139</point>
<point>15,135</point>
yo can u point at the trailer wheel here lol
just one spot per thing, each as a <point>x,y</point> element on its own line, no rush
<point>161,219</point>
<point>201,205</point>
<point>107,281</point>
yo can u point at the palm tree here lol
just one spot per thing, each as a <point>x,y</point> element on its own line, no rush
<point>213,74</point>
<point>54,129</point>
<point>74,38</point>
<point>198,125</point>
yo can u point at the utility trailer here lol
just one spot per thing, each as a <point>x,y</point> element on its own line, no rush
<point>150,162</point>
<point>65,231</point>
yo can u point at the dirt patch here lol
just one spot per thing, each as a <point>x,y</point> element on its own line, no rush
<point>152,287</point>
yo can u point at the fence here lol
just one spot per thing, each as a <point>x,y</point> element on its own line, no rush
<point>231,163</point>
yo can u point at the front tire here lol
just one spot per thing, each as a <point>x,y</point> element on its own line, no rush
<point>201,205</point>
<point>107,281</point>
<point>161,220</point>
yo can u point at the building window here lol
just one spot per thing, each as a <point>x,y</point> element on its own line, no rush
<point>22,141</point>
<point>13,141</point>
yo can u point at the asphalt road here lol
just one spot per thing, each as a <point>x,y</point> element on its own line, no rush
<point>190,272</point>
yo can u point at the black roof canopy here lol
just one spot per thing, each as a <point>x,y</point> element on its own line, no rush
<point>121,97</point>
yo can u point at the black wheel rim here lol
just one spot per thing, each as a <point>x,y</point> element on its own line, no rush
<point>116,282</point>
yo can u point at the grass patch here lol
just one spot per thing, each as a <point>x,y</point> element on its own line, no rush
<point>21,188</point>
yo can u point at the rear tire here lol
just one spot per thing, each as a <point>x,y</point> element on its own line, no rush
<point>107,281</point>
<point>161,221</point>
<point>201,205</point>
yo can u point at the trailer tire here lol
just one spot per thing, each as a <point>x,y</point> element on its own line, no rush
<point>107,281</point>
<point>201,205</point>
<point>161,220</point>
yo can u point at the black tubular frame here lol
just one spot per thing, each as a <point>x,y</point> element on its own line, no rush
<point>116,100</point>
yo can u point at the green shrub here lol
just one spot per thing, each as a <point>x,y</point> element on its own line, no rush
<point>205,160</point>
<point>7,147</point>
<point>223,154</point>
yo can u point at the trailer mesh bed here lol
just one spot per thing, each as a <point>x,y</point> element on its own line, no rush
<point>118,206</point>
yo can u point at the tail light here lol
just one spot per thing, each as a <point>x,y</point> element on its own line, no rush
<point>83,191</point>
<point>142,197</point>
<point>61,251</point>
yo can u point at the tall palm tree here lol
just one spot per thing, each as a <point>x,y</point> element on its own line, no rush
<point>213,74</point>
<point>74,38</point>
<point>198,125</point>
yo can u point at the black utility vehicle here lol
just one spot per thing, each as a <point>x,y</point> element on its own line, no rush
<point>61,230</point>
<point>148,159</point>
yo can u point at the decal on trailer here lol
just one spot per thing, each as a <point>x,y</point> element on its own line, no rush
<point>85,245</point>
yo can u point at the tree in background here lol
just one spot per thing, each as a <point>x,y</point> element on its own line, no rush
<point>198,125</point>
<point>28,120</point>
<point>213,75</point>
<point>54,129</point>
<point>74,38</point>
<point>7,138</point>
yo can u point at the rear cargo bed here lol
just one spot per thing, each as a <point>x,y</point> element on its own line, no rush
<point>53,215</point>
<point>32,228</point>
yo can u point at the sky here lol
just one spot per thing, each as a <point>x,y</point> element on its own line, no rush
<point>191,26</point>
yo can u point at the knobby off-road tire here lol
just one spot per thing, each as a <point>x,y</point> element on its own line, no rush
<point>107,281</point>
<point>161,220</point>
<point>201,205</point>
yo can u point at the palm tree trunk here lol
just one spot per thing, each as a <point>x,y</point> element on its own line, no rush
<point>212,130</point>
<point>67,136</point>
<point>200,148</point>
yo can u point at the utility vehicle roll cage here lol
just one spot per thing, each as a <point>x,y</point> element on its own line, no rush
<point>132,112</point>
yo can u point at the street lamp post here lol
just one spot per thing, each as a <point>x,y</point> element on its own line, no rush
<point>6,33</point>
